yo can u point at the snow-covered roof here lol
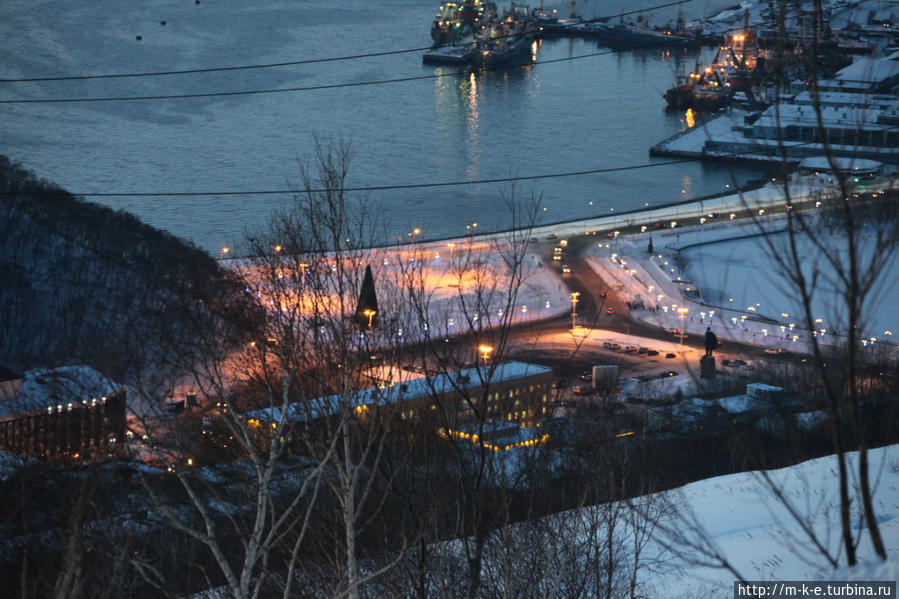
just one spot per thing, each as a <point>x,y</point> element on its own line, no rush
<point>738,404</point>
<point>783,115</point>
<point>846,99</point>
<point>400,391</point>
<point>822,164</point>
<point>46,387</point>
<point>872,70</point>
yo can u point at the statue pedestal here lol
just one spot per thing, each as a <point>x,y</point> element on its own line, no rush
<point>707,367</point>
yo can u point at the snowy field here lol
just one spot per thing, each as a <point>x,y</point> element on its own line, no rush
<point>464,272</point>
<point>685,533</point>
<point>757,534</point>
<point>723,274</point>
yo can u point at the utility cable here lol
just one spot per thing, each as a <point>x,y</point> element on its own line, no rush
<point>293,62</point>
<point>662,43</point>
<point>356,189</point>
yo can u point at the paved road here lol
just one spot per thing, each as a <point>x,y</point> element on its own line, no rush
<point>536,340</point>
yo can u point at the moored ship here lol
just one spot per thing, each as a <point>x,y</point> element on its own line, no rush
<point>508,41</point>
<point>459,22</point>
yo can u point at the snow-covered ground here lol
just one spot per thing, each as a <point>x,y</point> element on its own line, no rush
<point>736,517</point>
<point>745,523</point>
<point>470,272</point>
<point>723,273</point>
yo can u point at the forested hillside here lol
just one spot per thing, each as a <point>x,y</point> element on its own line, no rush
<point>81,283</point>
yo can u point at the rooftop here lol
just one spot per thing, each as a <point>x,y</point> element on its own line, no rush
<point>45,387</point>
<point>782,115</point>
<point>400,390</point>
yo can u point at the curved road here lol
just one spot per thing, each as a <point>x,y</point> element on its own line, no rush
<point>592,313</point>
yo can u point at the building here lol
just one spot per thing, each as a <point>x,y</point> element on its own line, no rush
<point>516,392</point>
<point>851,132</point>
<point>72,412</point>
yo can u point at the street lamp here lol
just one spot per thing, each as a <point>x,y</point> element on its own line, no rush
<point>574,296</point>
<point>682,313</point>
<point>371,314</point>
<point>485,352</point>
<point>451,246</point>
<point>303,266</point>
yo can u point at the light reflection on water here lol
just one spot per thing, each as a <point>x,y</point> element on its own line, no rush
<point>599,112</point>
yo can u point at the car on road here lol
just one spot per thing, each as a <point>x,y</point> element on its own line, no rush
<point>604,294</point>
<point>652,352</point>
<point>776,351</point>
<point>610,311</point>
<point>631,349</point>
<point>565,269</point>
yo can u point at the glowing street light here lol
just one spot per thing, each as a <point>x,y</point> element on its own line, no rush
<point>574,297</point>
<point>303,266</point>
<point>371,314</point>
<point>485,352</point>
<point>682,313</point>
<point>451,246</point>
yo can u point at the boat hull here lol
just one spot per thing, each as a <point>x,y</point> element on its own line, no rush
<point>632,37</point>
<point>514,52</point>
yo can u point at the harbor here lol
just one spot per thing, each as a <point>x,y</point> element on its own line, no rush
<point>575,106</point>
<point>757,101</point>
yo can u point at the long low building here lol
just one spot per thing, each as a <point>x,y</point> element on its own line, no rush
<point>511,391</point>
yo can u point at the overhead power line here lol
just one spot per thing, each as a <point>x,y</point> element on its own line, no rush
<point>286,63</point>
<point>154,194</point>
<point>316,87</point>
<point>270,65</point>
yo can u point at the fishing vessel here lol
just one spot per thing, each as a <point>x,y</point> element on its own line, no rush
<point>736,69</point>
<point>507,41</point>
<point>458,22</point>
<point>639,35</point>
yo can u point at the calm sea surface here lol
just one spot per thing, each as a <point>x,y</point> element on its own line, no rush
<point>598,112</point>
